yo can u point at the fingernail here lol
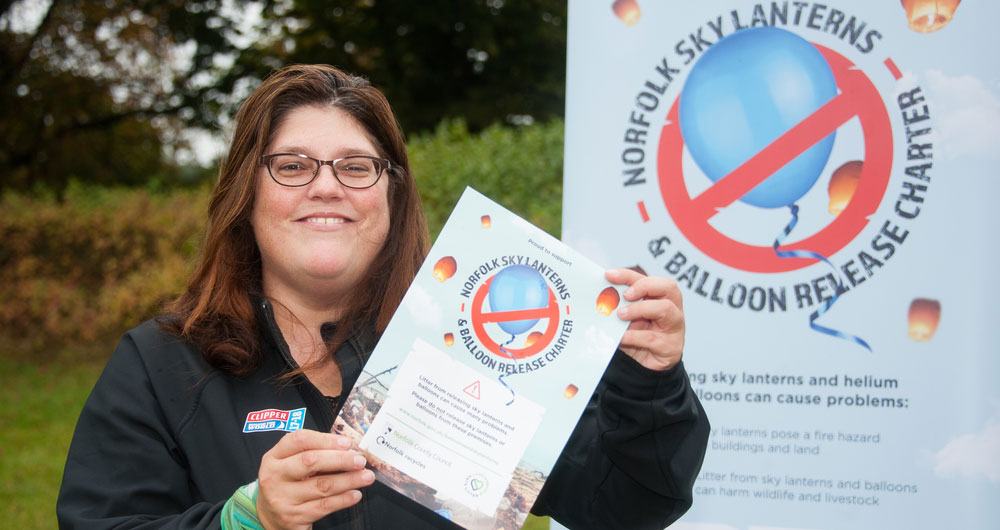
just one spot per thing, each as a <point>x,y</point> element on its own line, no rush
<point>343,442</point>
<point>368,476</point>
<point>356,495</point>
<point>359,461</point>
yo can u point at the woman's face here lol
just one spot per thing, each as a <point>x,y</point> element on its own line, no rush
<point>318,240</point>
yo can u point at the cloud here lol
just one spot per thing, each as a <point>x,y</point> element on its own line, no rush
<point>966,115</point>
<point>423,310</point>
<point>971,455</point>
<point>598,343</point>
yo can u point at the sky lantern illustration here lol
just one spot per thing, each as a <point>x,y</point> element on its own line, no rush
<point>925,16</point>
<point>607,301</point>
<point>449,339</point>
<point>445,268</point>
<point>487,222</point>
<point>570,391</point>
<point>627,11</point>
<point>843,183</point>
<point>532,338</point>
<point>925,314</point>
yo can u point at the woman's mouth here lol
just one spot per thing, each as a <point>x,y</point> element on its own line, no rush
<point>325,220</point>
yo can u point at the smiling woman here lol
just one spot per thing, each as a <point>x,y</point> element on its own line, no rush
<point>263,232</point>
<point>318,238</point>
<point>280,263</point>
<point>219,413</point>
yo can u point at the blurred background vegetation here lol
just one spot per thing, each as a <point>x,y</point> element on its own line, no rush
<point>113,114</point>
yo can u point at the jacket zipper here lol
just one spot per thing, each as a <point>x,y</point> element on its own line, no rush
<point>356,513</point>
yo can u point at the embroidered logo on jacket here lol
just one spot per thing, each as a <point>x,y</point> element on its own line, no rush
<point>274,420</point>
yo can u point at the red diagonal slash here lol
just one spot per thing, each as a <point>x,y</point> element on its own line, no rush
<point>759,167</point>
<point>519,314</point>
<point>480,318</point>
<point>859,99</point>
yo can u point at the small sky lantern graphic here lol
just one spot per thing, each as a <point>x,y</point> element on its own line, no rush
<point>843,183</point>
<point>925,16</point>
<point>925,314</point>
<point>532,338</point>
<point>486,221</point>
<point>445,268</point>
<point>627,11</point>
<point>607,301</point>
<point>449,339</point>
<point>570,391</point>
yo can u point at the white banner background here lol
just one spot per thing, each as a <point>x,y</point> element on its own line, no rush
<point>930,456</point>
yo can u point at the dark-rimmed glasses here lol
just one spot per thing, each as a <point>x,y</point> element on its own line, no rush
<point>295,170</point>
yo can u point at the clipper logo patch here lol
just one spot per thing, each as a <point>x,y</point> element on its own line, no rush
<point>274,420</point>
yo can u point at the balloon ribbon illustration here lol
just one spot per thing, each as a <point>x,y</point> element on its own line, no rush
<point>840,283</point>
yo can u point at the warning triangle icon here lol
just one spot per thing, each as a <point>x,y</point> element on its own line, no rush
<point>472,390</point>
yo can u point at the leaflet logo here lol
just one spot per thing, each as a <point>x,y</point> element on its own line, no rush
<point>274,420</point>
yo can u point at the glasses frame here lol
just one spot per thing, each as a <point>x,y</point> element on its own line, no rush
<point>384,165</point>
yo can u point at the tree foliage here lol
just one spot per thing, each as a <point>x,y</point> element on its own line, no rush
<point>92,90</point>
<point>99,91</point>
<point>485,61</point>
<point>102,259</point>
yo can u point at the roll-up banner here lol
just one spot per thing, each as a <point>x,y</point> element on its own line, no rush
<point>820,180</point>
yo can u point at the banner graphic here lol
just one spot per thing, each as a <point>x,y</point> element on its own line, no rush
<point>819,179</point>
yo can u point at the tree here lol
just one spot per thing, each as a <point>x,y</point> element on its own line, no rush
<point>94,90</point>
<point>101,91</point>
<point>484,60</point>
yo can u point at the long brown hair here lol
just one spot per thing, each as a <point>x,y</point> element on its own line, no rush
<point>216,312</point>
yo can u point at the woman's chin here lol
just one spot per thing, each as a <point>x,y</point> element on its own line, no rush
<point>332,273</point>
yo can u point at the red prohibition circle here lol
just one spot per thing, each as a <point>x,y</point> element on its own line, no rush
<point>858,97</point>
<point>479,318</point>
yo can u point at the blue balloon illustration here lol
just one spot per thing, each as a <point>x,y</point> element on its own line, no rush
<point>746,91</point>
<point>518,287</point>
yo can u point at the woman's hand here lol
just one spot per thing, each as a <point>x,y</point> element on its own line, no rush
<point>307,475</point>
<point>655,336</point>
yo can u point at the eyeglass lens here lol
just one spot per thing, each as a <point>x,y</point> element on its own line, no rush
<point>353,172</point>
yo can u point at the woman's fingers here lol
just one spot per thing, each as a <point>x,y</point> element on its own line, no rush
<point>305,439</point>
<point>337,483</point>
<point>642,286</point>
<point>655,335</point>
<point>327,485</point>
<point>656,313</point>
<point>623,276</point>
<point>315,461</point>
<point>652,341</point>
<point>306,476</point>
<point>318,508</point>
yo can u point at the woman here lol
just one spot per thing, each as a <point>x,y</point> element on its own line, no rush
<point>316,220</point>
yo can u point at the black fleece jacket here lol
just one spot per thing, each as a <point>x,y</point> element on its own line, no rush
<point>160,442</point>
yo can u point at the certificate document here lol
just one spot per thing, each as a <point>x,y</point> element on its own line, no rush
<point>484,370</point>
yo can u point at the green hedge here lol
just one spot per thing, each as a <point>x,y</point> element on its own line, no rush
<point>94,263</point>
<point>519,168</point>
<point>81,269</point>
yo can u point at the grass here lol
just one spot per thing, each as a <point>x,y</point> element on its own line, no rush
<point>39,405</point>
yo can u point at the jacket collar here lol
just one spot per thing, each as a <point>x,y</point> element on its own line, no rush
<point>350,356</point>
